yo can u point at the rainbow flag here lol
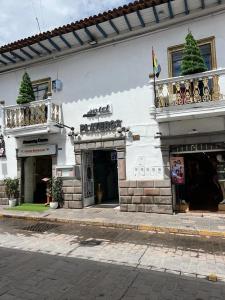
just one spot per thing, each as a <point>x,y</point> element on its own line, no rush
<point>156,65</point>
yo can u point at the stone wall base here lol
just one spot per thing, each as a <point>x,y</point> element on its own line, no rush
<point>3,199</point>
<point>72,192</point>
<point>149,196</point>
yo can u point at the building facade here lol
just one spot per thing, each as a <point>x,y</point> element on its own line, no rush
<point>100,124</point>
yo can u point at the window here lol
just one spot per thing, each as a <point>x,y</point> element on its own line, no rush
<point>207,48</point>
<point>41,88</point>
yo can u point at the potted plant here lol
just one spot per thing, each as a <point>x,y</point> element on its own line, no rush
<point>12,190</point>
<point>57,195</point>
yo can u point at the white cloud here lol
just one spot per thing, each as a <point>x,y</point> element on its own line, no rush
<point>19,20</point>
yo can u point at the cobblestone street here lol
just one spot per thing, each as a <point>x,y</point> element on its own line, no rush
<point>36,254</point>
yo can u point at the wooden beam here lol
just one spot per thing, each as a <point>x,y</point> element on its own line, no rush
<point>105,35</point>
<point>170,8</point>
<point>155,14</point>
<point>26,53</point>
<point>89,34</point>
<point>17,56</point>
<point>65,41</point>
<point>54,44</point>
<point>44,47</point>
<point>3,62</point>
<point>186,7</point>
<point>140,18</point>
<point>114,26</point>
<point>127,22</point>
<point>78,38</point>
<point>8,58</point>
<point>203,4</point>
<point>34,50</point>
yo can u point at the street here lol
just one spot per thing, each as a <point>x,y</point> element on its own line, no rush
<point>68,261</point>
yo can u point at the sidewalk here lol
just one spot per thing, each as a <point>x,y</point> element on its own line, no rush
<point>206,224</point>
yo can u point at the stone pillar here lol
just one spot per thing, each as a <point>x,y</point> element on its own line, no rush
<point>72,188</point>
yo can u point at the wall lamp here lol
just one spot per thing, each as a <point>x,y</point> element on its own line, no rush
<point>122,130</point>
<point>92,42</point>
<point>71,133</point>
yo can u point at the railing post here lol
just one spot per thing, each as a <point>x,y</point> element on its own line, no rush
<point>153,106</point>
<point>49,110</point>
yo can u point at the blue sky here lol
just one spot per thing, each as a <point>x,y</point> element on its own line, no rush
<point>18,18</point>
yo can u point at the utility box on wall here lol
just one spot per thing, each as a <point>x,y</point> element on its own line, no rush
<point>65,171</point>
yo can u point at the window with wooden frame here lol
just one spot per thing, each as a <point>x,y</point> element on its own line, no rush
<point>175,53</point>
<point>42,88</point>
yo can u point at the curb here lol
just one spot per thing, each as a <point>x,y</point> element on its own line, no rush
<point>141,227</point>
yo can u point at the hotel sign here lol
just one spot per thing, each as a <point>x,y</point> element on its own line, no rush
<point>36,150</point>
<point>100,126</point>
<point>100,111</point>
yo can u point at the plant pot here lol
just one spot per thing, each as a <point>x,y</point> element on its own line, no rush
<point>12,202</point>
<point>54,205</point>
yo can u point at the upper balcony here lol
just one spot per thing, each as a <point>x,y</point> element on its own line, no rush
<point>192,96</point>
<point>37,117</point>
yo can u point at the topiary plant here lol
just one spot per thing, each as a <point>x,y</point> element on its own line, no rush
<point>26,93</point>
<point>57,193</point>
<point>192,60</point>
<point>12,187</point>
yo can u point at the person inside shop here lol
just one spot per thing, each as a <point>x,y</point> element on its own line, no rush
<point>48,190</point>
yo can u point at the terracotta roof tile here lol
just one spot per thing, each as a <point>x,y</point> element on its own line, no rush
<point>93,20</point>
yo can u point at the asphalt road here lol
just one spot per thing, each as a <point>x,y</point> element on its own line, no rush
<point>26,275</point>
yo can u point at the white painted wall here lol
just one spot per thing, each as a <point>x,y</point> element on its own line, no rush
<point>116,75</point>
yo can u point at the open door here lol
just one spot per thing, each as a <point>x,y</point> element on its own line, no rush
<point>88,178</point>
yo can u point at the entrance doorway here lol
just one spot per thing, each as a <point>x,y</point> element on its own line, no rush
<point>204,177</point>
<point>35,169</point>
<point>105,176</point>
<point>100,177</point>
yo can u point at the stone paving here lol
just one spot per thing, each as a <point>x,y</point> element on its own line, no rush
<point>28,275</point>
<point>195,223</point>
<point>182,255</point>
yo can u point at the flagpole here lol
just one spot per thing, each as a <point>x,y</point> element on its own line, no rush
<point>154,79</point>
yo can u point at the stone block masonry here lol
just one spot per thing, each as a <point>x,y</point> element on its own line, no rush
<point>3,198</point>
<point>150,196</point>
<point>72,191</point>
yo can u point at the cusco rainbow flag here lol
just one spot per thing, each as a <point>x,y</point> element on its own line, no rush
<point>156,65</point>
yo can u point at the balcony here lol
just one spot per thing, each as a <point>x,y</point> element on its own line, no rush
<point>193,96</point>
<point>38,117</point>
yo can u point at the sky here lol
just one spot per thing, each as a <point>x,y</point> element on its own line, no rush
<point>18,18</point>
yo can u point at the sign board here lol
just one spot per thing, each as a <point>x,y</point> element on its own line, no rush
<point>177,170</point>
<point>100,126</point>
<point>37,150</point>
<point>100,111</point>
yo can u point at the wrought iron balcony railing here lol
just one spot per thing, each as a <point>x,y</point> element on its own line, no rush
<point>186,90</point>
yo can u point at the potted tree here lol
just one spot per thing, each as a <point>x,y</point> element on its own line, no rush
<point>57,195</point>
<point>12,190</point>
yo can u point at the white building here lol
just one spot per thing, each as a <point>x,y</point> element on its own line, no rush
<point>93,75</point>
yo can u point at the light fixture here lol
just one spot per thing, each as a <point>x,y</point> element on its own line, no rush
<point>92,42</point>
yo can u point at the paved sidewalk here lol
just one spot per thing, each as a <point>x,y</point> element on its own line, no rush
<point>189,223</point>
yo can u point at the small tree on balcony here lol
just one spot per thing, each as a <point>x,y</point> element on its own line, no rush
<point>26,93</point>
<point>192,60</point>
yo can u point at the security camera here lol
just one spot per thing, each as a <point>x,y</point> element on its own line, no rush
<point>119,130</point>
<point>127,129</point>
